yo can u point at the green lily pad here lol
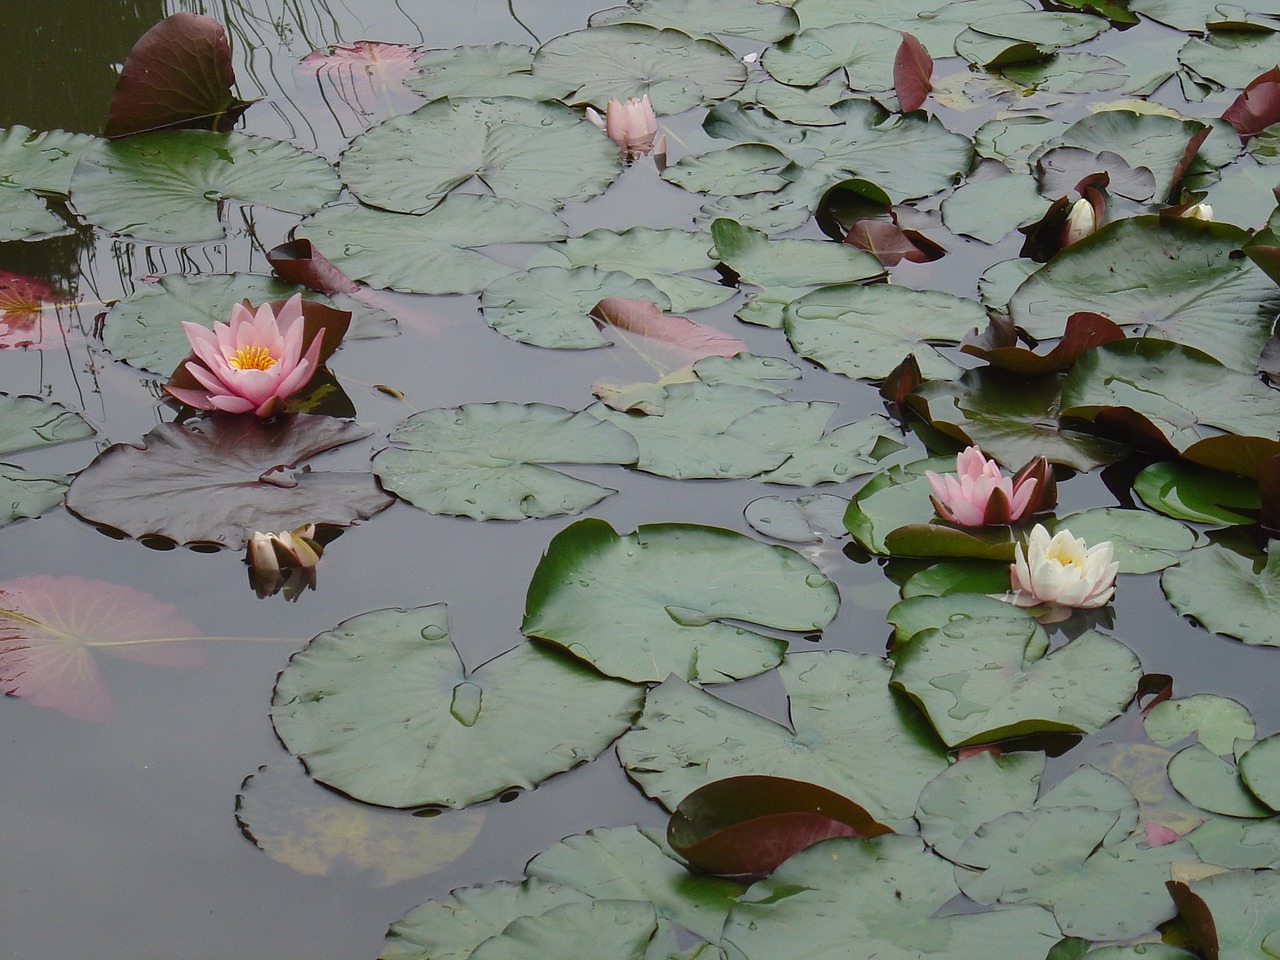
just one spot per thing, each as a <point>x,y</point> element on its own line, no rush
<point>915,614</point>
<point>810,106</point>
<point>484,460</point>
<point>524,716</point>
<point>882,894</point>
<point>740,171</point>
<point>26,495</point>
<point>1235,915</point>
<point>1187,492</point>
<point>1216,721</point>
<point>1213,783</point>
<point>807,519</point>
<point>1193,16</point>
<point>28,422</point>
<point>614,928</point>
<point>145,328</point>
<point>1233,58</point>
<point>950,577</point>
<point>516,148</point>
<point>865,332</point>
<point>934,24</point>
<point>1045,29</point>
<point>719,431</point>
<point>655,602</point>
<point>844,453</point>
<point>1260,770</point>
<point>852,734</point>
<point>41,160</point>
<point>624,60</point>
<point>864,51</point>
<point>551,306</point>
<point>1011,140</point>
<point>24,215</point>
<point>990,210</point>
<point>1234,843</point>
<point>1059,857</point>
<point>452,927</point>
<point>663,257</point>
<point>983,680</point>
<point>170,186</point>
<point>629,863</point>
<point>1175,279</point>
<point>1077,73</point>
<point>1144,542</point>
<point>1228,593</point>
<point>766,22</point>
<point>388,249</point>
<point>493,70</point>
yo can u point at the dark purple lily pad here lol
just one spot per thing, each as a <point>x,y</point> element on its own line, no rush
<point>218,480</point>
<point>998,345</point>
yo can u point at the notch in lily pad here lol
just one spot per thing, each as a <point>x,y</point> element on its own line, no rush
<point>744,827</point>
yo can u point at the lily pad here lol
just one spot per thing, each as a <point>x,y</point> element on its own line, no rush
<point>1234,915</point>
<point>1187,492</point>
<point>915,614</point>
<point>171,186</point>
<point>219,480</point>
<point>1213,783</point>
<point>1173,278</point>
<point>844,453</point>
<point>484,460</point>
<point>25,495</point>
<point>41,160</point>
<point>630,863</point>
<point>615,928</point>
<point>524,716</point>
<point>23,215</point>
<point>852,735</point>
<point>1228,593</point>
<point>1260,770</point>
<point>865,332</point>
<point>982,680</point>
<point>1234,843</point>
<point>516,149</point>
<point>766,22</point>
<point>388,249</point>
<point>673,598</point>
<point>864,51</point>
<point>719,430</point>
<point>807,105</point>
<point>883,894</point>
<point>807,519</point>
<point>935,25</point>
<point>145,328</point>
<point>317,833</point>
<point>493,70</point>
<point>990,210</point>
<point>1144,542</point>
<point>28,422</point>
<point>663,257</point>
<point>1058,856</point>
<point>624,60</point>
<point>1216,721</point>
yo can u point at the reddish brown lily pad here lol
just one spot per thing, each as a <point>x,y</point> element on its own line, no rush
<point>998,345</point>
<point>912,69</point>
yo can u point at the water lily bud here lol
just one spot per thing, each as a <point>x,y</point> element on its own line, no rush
<point>1198,211</point>
<point>632,125</point>
<point>284,561</point>
<point>979,493</point>
<point>1062,571</point>
<point>1082,220</point>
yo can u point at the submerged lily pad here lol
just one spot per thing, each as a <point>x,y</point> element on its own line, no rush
<point>516,148</point>
<point>624,60</point>
<point>27,422</point>
<point>524,716</point>
<point>1229,593</point>
<point>389,249</point>
<point>669,598</point>
<point>219,480</point>
<point>852,735</point>
<point>170,186</point>
<point>484,460</point>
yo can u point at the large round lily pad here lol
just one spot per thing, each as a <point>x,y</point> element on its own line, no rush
<point>673,598</point>
<point>170,186</point>
<point>381,708</point>
<point>1229,593</point>
<point>221,479</point>
<point>27,422</point>
<point>484,460</point>
<point>767,22</point>
<point>541,154</point>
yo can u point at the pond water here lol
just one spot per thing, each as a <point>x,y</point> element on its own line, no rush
<point>122,836</point>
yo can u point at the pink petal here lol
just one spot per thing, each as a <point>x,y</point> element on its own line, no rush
<point>192,398</point>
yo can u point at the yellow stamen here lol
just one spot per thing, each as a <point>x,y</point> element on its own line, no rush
<point>251,358</point>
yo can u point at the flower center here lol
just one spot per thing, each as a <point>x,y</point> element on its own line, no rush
<point>1062,558</point>
<point>251,358</point>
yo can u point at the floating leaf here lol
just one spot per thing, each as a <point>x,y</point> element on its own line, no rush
<point>25,495</point>
<point>1216,721</point>
<point>27,422</point>
<point>218,480</point>
<point>808,519</point>
<point>23,215</point>
<point>51,627</point>
<point>842,454</point>
<point>934,24</point>
<point>1233,915</point>
<point>767,22</point>
<point>998,345</point>
<point>916,614</point>
<point>1144,542</point>
<point>631,60</point>
<point>882,894</point>
<point>852,735</point>
<point>982,680</point>
<point>1260,770</point>
<point>655,602</point>
<point>662,334</point>
<point>1213,783</point>
<point>614,928</point>
<point>1187,492</point>
<point>1228,593</point>
<point>493,70</point>
<point>516,148</point>
<point>484,460</point>
<point>1233,843</point>
<point>522,717</point>
<point>178,74</point>
<point>629,863</point>
<point>746,826</point>
<point>989,210</point>
<point>388,249</point>
<point>912,73</point>
<point>864,51</point>
<point>41,160</point>
<point>319,834</point>
<point>171,186</point>
<point>1258,106</point>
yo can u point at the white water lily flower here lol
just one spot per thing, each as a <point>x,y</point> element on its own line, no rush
<point>1062,571</point>
<point>1082,220</point>
<point>1198,211</point>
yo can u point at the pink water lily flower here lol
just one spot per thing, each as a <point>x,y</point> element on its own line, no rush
<point>1062,571</point>
<point>979,493</point>
<point>253,363</point>
<point>632,125</point>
